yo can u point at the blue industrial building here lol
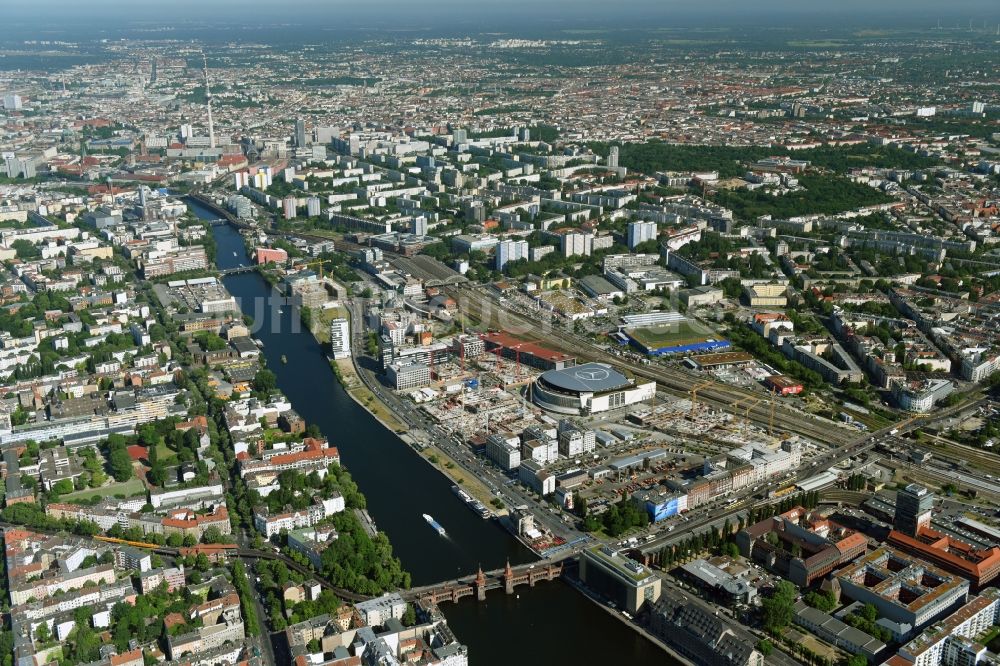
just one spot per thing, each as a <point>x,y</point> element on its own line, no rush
<point>696,347</point>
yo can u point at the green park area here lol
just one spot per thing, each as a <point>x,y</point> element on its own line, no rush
<point>130,488</point>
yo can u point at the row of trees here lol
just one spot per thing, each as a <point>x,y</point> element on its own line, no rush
<point>744,338</point>
<point>242,585</point>
<point>714,539</point>
<point>33,516</point>
<point>759,512</point>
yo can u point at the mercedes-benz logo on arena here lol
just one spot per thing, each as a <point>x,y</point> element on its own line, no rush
<point>592,374</point>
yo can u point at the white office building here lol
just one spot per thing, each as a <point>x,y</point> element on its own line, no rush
<point>504,450</point>
<point>613,157</point>
<point>576,244</point>
<point>403,376</point>
<point>12,102</point>
<point>574,440</point>
<point>418,226</point>
<point>640,232</point>
<point>313,206</point>
<point>340,338</point>
<point>510,250</point>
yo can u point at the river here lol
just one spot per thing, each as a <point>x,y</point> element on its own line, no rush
<point>548,624</point>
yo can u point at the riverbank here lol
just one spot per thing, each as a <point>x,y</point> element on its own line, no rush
<point>347,374</point>
<point>469,483</point>
<point>577,585</point>
<point>348,377</point>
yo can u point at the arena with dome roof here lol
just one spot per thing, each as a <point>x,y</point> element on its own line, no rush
<point>589,388</point>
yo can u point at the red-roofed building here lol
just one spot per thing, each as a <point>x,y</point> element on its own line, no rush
<point>185,522</point>
<point>315,456</point>
<point>214,551</point>
<point>528,353</point>
<point>783,384</point>
<point>266,255</point>
<point>232,162</point>
<point>130,658</point>
<point>199,422</point>
<point>824,545</point>
<point>979,566</point>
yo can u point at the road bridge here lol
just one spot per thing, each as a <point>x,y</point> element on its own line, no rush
<point>507,578</point>
<point>238,269</point>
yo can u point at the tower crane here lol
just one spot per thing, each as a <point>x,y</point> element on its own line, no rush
<point>694,395</point>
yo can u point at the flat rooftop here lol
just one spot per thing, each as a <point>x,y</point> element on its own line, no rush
<point>586,378</point>
<point>624,566</point>
<point>722,358</point>
<point>525,347</point>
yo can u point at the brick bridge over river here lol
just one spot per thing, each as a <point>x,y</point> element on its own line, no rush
<point>506,579</point>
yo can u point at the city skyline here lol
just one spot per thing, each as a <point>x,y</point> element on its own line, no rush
<point>446,13</point>
<point>368,334</point>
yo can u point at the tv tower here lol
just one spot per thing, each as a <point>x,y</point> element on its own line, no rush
<point>208,102</point>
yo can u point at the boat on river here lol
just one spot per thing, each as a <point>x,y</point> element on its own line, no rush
<point>472,502</point>
<point>435,524</point>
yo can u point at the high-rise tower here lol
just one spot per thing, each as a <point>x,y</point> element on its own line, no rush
<point>914,504</point>
<point>300,133</point>
<point>208,102</point>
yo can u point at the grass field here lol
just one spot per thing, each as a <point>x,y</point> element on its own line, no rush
<point>348,377</point>
<point>321,322</point>
<point>165,452</point>
<point>685,332</point>
<point>128,488</point>
<point>324,233</point>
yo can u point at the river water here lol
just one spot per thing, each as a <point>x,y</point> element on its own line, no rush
<point>548,624</point>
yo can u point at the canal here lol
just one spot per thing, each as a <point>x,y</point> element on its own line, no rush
<point>539,625</point>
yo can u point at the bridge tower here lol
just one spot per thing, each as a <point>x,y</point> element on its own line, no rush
<point>508,579</point>
<point>480,584</point>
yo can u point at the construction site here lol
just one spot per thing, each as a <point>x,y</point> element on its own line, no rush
<point>662,448</point>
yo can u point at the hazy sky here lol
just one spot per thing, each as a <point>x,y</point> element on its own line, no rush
<point>425,13</point>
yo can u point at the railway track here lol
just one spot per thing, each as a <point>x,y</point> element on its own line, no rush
<point>676,382</point>
<point>961,452</point>
<point>838,496</point>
